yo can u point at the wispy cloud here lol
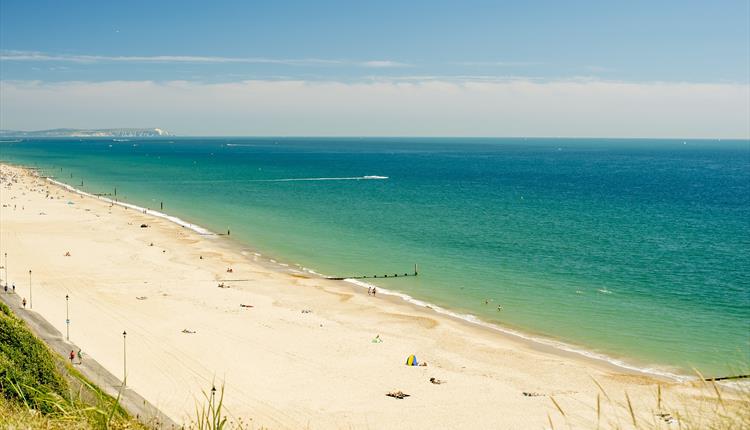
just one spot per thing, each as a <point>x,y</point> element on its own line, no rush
<point>34,56</point>
<point>457,78</point>
<point>42,56</point>
<point>498,63</point>
<point>383,64</point>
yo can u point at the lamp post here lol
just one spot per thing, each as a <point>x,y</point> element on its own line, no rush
<point>67,318</point>
<point>124,357</point>
<point>31,298</point>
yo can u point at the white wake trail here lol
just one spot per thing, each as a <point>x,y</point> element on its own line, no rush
<point>352,178</point>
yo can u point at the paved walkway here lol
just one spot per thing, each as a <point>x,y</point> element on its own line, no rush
<point>136,405</point>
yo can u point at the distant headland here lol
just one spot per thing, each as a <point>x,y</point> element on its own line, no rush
<point>76,132</point>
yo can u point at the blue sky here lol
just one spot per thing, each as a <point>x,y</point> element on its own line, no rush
<point>58,46</point>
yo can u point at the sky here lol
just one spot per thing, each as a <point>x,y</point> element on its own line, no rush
<point>386,68</point>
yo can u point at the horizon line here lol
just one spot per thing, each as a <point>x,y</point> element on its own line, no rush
<point>321,136</point>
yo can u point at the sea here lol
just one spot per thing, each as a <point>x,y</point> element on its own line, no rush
<point>632,251</point>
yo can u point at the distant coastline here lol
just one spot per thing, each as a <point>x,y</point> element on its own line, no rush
<point>101,132</point>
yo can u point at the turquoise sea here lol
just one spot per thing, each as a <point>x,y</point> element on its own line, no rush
<point>635,249</point>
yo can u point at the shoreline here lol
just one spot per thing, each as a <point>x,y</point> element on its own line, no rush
<point>284,368</point>
<point>539,341</point>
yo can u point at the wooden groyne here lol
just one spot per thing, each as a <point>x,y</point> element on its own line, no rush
<point>395,275</point>
<point>726,378</point>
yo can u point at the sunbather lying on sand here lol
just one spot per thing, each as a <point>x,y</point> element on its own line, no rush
<point>397,394</point>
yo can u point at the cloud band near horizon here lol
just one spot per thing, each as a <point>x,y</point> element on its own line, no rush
<point>517,107</point>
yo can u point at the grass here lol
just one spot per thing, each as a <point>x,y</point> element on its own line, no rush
<point>28,372</point>
<point>709,409</point>
<point>40,390</point>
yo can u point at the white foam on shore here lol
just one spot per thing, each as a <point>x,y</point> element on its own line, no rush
<point>473,319</point>
<point>409,299</point>
<point>196,228</point>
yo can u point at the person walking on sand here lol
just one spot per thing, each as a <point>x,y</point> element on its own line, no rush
<point>80,356</point>
<point>14,287</point>
<point>373,291</point>
<point>72,356</point>
<point>24,302</point>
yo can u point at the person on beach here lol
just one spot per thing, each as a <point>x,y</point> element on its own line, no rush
<point>72,356</point>
<point>373,291</point>
<point>24,302</point>
<point>369,291</point>
<point>6,288</point>
<point>14,287</point>
<point>80,356</point>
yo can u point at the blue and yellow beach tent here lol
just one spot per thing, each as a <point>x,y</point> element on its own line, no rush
<point>412,361</point>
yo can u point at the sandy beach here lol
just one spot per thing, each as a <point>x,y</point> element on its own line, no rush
<point>291,349</point>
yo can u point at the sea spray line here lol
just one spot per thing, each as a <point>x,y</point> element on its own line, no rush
<point>409,299</point>
<point>174,219</point>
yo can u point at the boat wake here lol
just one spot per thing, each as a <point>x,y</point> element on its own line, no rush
<point>350,178</point>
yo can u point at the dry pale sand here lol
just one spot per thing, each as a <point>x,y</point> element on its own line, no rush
<point>282,368</point>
